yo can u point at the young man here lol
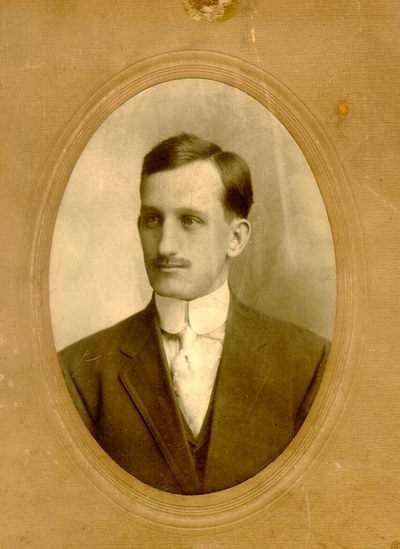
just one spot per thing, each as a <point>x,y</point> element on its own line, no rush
<point>196,393</point>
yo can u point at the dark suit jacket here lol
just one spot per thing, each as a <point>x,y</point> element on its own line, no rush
<point>120,383</point>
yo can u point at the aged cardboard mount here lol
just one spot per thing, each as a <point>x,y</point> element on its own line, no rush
<point>328,72</point>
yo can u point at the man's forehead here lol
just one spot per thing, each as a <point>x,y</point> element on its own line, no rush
<point>198,180</point>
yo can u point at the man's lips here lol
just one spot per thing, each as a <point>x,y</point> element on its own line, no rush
<point>169,266</point>
<point>166,265</point>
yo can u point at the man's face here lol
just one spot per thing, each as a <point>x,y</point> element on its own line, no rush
<point>183,231</point>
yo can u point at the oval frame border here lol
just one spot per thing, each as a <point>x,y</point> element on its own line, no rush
<point>268,488</point>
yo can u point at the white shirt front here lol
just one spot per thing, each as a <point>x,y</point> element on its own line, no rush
<point>207,317</point>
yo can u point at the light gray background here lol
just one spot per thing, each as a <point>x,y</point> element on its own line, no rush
<point>97,274</point>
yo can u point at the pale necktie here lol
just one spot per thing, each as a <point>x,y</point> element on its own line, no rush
<point>192,379</point>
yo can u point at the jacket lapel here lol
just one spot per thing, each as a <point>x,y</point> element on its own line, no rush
<point>148,382</point>
<point>240,380</point>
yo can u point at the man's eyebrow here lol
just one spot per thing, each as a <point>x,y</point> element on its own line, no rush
<point>148,208</point>
<point>191,211</point>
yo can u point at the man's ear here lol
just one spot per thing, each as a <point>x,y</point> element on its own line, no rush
<point>240,235</point>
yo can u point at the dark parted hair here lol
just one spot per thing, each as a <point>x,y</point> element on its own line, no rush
<point>186,148</point>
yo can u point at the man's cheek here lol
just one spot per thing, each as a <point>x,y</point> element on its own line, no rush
<point>148,245</point>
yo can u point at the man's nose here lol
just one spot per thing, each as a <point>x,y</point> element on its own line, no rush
<point>169,239</point>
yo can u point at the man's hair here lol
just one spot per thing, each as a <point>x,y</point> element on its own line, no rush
<point>185,148</point>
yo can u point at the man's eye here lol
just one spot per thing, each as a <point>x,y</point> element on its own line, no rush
<point>152,220</point>
<point>189,220</point>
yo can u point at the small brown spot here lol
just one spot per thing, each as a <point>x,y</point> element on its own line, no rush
<point>342,108</point>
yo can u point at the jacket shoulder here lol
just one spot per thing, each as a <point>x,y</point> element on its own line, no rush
<point>290,355</point>
<point>263,330</point>
<point>107,341</point>
<point>94,362</point>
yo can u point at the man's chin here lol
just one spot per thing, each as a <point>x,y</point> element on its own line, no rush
<point>171,288</point>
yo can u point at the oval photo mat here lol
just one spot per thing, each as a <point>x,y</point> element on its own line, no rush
<point>291,235</point>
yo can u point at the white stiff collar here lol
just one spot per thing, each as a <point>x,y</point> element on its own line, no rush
<point>204,314</point>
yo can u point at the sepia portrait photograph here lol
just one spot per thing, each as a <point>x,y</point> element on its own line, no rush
<point>200,279</point>
<point>192,286</point>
